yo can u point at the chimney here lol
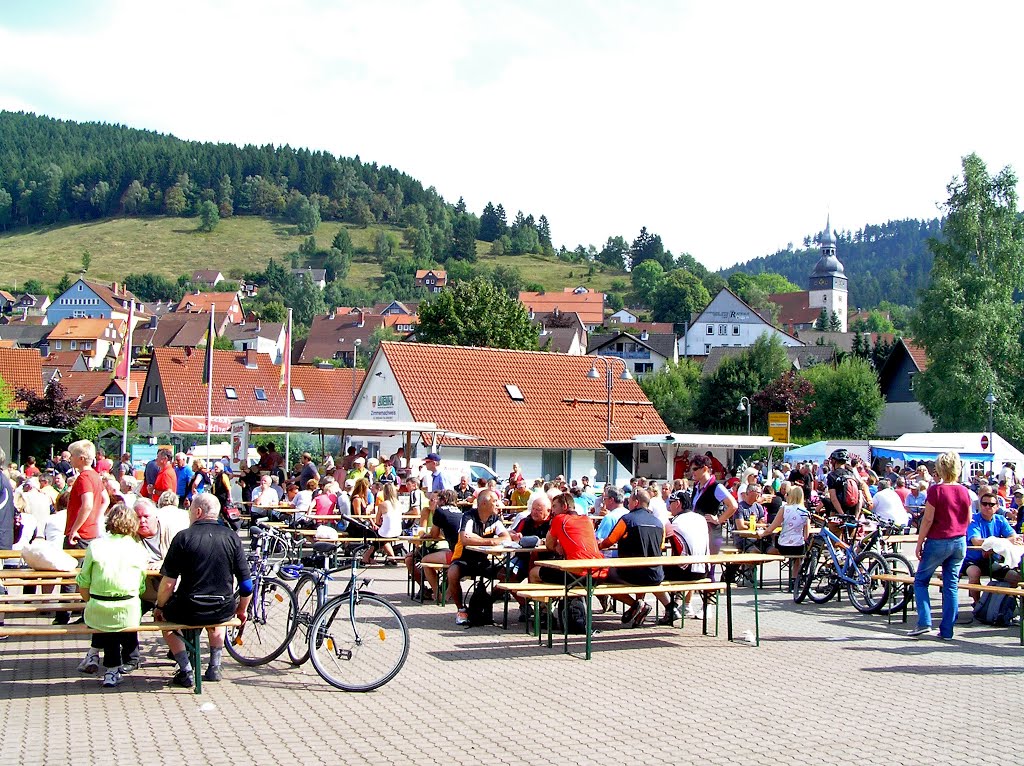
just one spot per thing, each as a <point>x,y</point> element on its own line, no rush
<point>250,359</point>
<point>361,320</point>
<point>113,287</point>
<point>152,322</point>
<point>644,335</point>
<point>259,325</point>
<point>334,313</point>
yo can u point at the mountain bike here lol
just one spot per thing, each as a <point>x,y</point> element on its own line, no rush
<point>831,563</point>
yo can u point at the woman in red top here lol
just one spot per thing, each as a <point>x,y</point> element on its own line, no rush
<point>942,541</point>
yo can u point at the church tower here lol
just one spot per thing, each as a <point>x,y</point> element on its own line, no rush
<point>827,284</point>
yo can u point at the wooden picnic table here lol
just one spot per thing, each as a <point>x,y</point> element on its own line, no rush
<point>728,560</point>
<point>77,553</point>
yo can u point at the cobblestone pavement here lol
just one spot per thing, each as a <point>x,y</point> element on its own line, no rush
<point>827,685</point>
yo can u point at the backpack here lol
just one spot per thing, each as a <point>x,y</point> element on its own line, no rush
<point>848,493</point>
<point>995,608</point>
<point>577,617</point>
<point>480,607</point>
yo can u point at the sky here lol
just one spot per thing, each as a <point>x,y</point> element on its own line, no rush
<point>731,129</point>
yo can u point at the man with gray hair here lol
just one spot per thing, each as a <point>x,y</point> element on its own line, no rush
<point>205,561</point>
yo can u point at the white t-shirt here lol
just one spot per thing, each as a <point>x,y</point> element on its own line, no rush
<point>794,518</point>
<point>658,508</point>
<point>889,507</point>
<point>694,530</point>
<point>391,523</point>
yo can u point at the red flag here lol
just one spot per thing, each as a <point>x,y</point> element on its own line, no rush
<point>125,359</point>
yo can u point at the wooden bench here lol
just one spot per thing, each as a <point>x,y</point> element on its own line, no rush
<point>190,634</point>
<point>544,593</point>
<point>907,581</point>
<point>442,580</point>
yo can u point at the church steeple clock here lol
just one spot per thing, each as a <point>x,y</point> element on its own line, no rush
<point>827,283</point>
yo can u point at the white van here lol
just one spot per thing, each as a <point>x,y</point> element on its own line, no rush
<point>453,470</point>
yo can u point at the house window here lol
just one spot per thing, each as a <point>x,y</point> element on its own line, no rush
<point>299,396</point>
<point>87,345</point>
<point>711,329</point>
<point>723,330</point>
<point>147,395</point>
<point>261,394</point>
<point>56,345</point>
<point>74,345</point>
<point>643,368</point>
<point>552,463</point>
<point>230,392</point>
<point>79,287</point>
<point>514,393</point>
<point>910,380</point>
<point>156,393</point>
<point>112,401</point>
<point>735,329</point>
<point>78,314</point>
<point>707,349</point>
<point>485,456</point>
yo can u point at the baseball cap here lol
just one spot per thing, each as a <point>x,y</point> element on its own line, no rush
<point>433,456</point>
<point>678,497</point>
<point>1018,490</point>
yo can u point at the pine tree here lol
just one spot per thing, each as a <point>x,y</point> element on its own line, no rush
<point>821,323</point>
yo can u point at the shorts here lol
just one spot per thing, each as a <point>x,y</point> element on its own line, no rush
<point>791,550</point>
<point>995,569</point>
<point>638,576</point>
<point>472,568</point>
<point>679,574</point>
<point>199,610</point>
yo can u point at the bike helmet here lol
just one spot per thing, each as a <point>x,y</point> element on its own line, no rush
<point>289,571</point>
<point>840,456</point>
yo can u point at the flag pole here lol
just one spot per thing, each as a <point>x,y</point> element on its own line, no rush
<point>209,383</point>
<point>127,378</point>
<point>286,361</point>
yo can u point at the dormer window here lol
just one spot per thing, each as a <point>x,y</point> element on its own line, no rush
<point>514,393</point>
<point>261,394</point>
<point>230,392</point>
<point>298,395</point>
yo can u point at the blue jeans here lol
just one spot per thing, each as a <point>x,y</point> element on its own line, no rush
<point>949,554</point>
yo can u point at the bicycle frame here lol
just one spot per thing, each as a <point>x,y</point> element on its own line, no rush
<point>847,571</point>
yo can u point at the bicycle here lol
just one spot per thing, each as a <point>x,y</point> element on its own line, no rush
<point>270,616</point>
<point>897,562</point>
<point>830,562</point>
<point>358,641</point>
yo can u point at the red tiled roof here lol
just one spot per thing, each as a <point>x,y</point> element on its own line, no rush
<point>87,329</point>
<point>62,360</point>
<point>115,295</point>
<point>328,392</point>
<point>917,354</point>
<point>21,368</point>
<point>794,308</point>
<point>91,386</point>
<point>463,389</point>
<point>589,305</point>
<point>635,328</point>
<point>225,304</point>
<point>326,333</point>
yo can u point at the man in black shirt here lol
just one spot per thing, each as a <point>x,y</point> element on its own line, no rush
<point>205,560</point>
<point>638,534</point>
<point>445,523</point>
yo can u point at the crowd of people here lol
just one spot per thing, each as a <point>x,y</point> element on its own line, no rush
<point>173,519</point>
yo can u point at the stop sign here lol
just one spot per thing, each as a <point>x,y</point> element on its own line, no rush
<point>984,441</point>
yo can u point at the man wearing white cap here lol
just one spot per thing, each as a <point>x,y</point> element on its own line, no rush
<point>358,469</point>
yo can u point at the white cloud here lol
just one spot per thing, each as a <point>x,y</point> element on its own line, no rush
<point>728,128</point>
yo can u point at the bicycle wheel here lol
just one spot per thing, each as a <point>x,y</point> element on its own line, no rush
<point>270,624</point>
<point>824,583</point>
<point>869,595</point>
<point>803,577</point>
<point>898,565</point>
<point>361,649</point>
<point>307,595</point>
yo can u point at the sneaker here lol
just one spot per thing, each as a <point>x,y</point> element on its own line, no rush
<point>213,673</point>
<point>184,679</point>
<point>918,632</point>
<point>641,615</point>
<point>62,618</point>
<point>132,665</point>
<point>462,617</point>
<point>91,664</point>
<point>630,614</point>
<point>692,614</point>
<point>112,678</point>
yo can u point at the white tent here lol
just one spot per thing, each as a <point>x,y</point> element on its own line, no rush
<point>927,446</point>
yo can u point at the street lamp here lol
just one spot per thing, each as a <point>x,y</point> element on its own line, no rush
<point>595,375</point>
<point>990,400</point>
<point>745,408</point>
<point>355,354</point>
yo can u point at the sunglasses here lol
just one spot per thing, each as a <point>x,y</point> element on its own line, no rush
<point>990,504</point>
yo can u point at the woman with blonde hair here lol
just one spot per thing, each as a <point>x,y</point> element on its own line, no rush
<point>794,523</point>
<point>112,578</point>
<point>388,523</point>
<point>942,541</point>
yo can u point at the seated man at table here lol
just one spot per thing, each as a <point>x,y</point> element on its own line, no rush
<point>533,527</point>
<point>639,534</point>
<point>916,499</point>
<point>749,506</point>
<point>688,536</point>
<point>265,500</point>
<point>988,523</point>
<point>205,560</point>
<point>480,526</point>
<point>888,506</point>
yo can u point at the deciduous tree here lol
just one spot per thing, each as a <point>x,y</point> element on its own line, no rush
<point>476,313</point>
<point>846,401</point>
<point>209,216</point>
<point>678,296</point>
<point>673,391</point>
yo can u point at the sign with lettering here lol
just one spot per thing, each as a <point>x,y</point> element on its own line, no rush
<point>778,426</point>
<point>382,407</point>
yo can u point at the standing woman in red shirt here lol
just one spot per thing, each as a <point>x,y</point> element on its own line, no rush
<point>942,541</point>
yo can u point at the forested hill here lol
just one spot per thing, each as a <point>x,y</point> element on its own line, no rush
<point>55,170</point>
<point>888,262</point>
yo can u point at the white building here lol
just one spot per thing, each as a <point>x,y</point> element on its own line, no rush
<point>728,321</point>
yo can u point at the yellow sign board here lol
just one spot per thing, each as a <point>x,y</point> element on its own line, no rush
<point>778,426</point>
